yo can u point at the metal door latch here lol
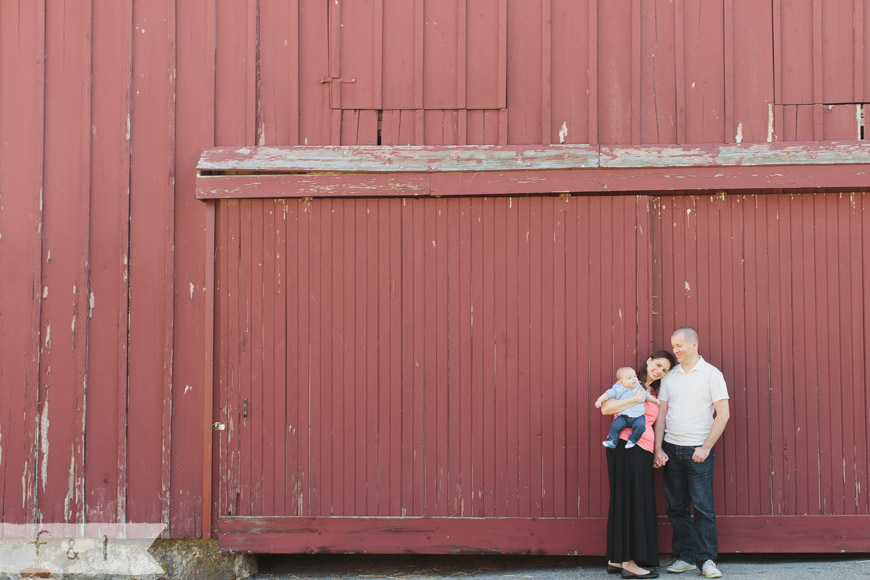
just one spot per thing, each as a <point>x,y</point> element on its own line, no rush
<point>218,426</point>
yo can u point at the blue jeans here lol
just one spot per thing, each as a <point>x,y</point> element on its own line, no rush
<point>689,486</point>
<point>620,422</point>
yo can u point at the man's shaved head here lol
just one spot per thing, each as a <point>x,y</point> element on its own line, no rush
<point>688,333</point>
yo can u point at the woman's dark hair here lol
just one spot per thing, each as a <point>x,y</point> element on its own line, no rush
<point>641,372</point>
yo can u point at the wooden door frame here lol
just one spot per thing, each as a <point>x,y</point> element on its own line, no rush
<point>422,171</point>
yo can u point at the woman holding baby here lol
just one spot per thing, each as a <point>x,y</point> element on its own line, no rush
<point>632,540</point>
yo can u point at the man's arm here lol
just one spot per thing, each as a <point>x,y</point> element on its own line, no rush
<point>719,422</point>
<point>660,456</point>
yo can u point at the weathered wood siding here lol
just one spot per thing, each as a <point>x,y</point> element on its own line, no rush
<point>105,108</point>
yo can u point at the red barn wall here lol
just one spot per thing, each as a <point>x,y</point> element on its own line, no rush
<point>106,106</point>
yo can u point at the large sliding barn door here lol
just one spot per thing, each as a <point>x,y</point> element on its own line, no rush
<point>424,367</point>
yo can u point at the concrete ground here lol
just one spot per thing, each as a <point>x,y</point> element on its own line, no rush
<point>323,567</point>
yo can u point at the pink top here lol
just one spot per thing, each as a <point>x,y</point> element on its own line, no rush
<point>648,439</point>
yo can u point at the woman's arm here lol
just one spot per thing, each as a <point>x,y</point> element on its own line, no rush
<point>614,406</point>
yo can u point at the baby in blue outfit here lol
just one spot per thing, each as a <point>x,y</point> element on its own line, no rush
<point>626,387</point>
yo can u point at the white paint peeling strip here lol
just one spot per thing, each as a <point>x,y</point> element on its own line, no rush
<point>43,443</point>
<point>769,122</point>
<point>191,290</point>
<point>187,389</point>
<point>91,304</point>
<point>688,288</point>
<point>45,292</point>
<point>739,137</point>
<point>48,336</point>
<point>73,325</point>
<point>70,483</point>
<point>563,132</point>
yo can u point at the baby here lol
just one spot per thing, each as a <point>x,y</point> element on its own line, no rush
<point>625,388</point>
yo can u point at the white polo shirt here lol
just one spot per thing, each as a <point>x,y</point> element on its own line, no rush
<point>690,396</point>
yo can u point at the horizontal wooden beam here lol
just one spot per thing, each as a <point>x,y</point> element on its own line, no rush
<point>565,536</point>
<point>357,171</point>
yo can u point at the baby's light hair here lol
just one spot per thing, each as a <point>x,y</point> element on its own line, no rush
<point>622,370</point>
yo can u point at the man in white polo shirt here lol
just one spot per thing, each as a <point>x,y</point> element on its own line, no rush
<point>689,395</point>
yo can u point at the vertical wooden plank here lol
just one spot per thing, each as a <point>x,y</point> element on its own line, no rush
<point>441,385</point>
<point>22,146</point>
<point>644,253</point>
<point>524,366</point>
<point>559,415</point>
<point>195,131</point>
<point>440,58</point>
<point>478,359</point>
<point>152,236</point>
<point>728,41</point>
<point>257,426</point>
<point>704,87</point>
<point>818,70</point>
<point>209,484</point>
<point>466,335</point>
<point>614,70</point>
<point>419,359</point>
<point>346,320</point>
<point>780,341</point>
<point>512,410</point>
<point>105,427</point>
<point>488,386</point>
<point>294,285</point>
<point>278,92</point>
<point>456,358</point>
<point>407,433</point>
<point>601,351</point>
<point>315,379</point>
<point>826,329</point>
<point>838,51</point>
<point>536,371</point>
<point>385,341</point>
<point>858,343</point>
<point>502,345</point>
<point>847,429</point>
<point>833,430</point>
<point>680,69</point>
<point>315,125</point>
<point>399,54</point>
<point>636,59</point>
<point>548,313</point>
<point>546,72</point>
<point>587,439</point>
<point>574,382</point>
<point>396,356</point>
<point>222,301</point>
<point>370,243</point>
<point>593,72</point>
<point>247,304</point>
<point>326,385</point>
<point>757,356</point>
<point>570,91</point>
<point>792,33</point>
<point>524,27</point>
<point>65,272</point>
<point>481,24</point>
<point>280,383</point>
<point>300,327</point>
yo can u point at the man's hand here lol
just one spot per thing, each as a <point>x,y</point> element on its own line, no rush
<point>639,395</point>
<point>700,455</point>
<point>660,459</point>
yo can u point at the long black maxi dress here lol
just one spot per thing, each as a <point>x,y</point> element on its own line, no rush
<point>631,519</point>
